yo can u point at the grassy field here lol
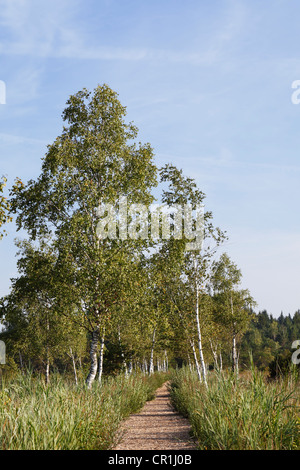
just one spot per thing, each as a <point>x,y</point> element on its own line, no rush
<point>62,416</point>
<point>250,413</point>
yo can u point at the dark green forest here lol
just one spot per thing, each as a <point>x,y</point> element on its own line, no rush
<point>270,341</point>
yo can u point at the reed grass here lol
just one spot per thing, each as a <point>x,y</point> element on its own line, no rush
<point>248,413</point>
<point>63,416</point>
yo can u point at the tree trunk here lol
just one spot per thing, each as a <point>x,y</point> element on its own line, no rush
<point>221,362</point>
<point>199,337</point>
<point>189,363</point>
<point>151,365</point>
<point>235,362</point>
<point>93,356</point>
<point>130,366</point>
<point>74,366</point>
<point>122,353</point>
<point>235,366</point>
<point>47,370</point>
<point>166,360</point>
<point>215,356</point>
<point>196,361</point>
<point>101,357</point>
<point>131,362</point>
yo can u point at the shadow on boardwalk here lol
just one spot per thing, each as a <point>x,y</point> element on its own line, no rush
<point>156,427</point>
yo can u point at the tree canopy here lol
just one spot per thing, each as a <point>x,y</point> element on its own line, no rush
<point>116,297</point>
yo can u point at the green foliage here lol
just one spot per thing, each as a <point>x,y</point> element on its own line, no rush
<point>231,303</point>
<point>36,328</point>
<point>270,341</point>
<point>5,205</point>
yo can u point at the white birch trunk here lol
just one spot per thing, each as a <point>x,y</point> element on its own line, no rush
<point>130,367</point>
<point>151,365</point>
<point>74,366</point>
<point>93,356</point>
<point>215,356</point>
<point>189,363</point>
<point>199,337</point>
<point>122,354</point>
<point>235,366</point>
<point>166,361</point>
<point>101,356</point>
<point>47,371</point>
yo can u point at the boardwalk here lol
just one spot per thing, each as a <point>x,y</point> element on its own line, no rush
<point>156,427</point>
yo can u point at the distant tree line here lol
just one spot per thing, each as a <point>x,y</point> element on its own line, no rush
<point>269,340</point>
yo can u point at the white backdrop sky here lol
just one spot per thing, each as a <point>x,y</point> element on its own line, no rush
<point>208,84</point>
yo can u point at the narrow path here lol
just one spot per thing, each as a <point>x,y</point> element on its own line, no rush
<point>156,427</point>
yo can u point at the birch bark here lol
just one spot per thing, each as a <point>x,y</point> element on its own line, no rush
<point>101,356</point>
<point>201,356</point>
<point>215,356</point>
<point>74,366</point>
<point>122,353</point>
<point>47,371</point>
<point>235,366</point>
<point>151,365</point>
<point>93,355</point>
<point>166,361</point>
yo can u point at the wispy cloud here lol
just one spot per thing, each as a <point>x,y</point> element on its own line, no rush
<point>10,139</point>
<point>34,28</point>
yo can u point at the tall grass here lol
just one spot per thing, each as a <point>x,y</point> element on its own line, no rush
<point>62,416</point>
<point>244,414</point>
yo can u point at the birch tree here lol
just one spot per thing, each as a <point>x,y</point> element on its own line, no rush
<point>35,327</point>
<point>94,162</point>
<point>185,272</point>
<point>233,304</point>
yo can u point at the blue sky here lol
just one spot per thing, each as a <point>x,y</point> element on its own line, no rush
<point>208,84</point>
